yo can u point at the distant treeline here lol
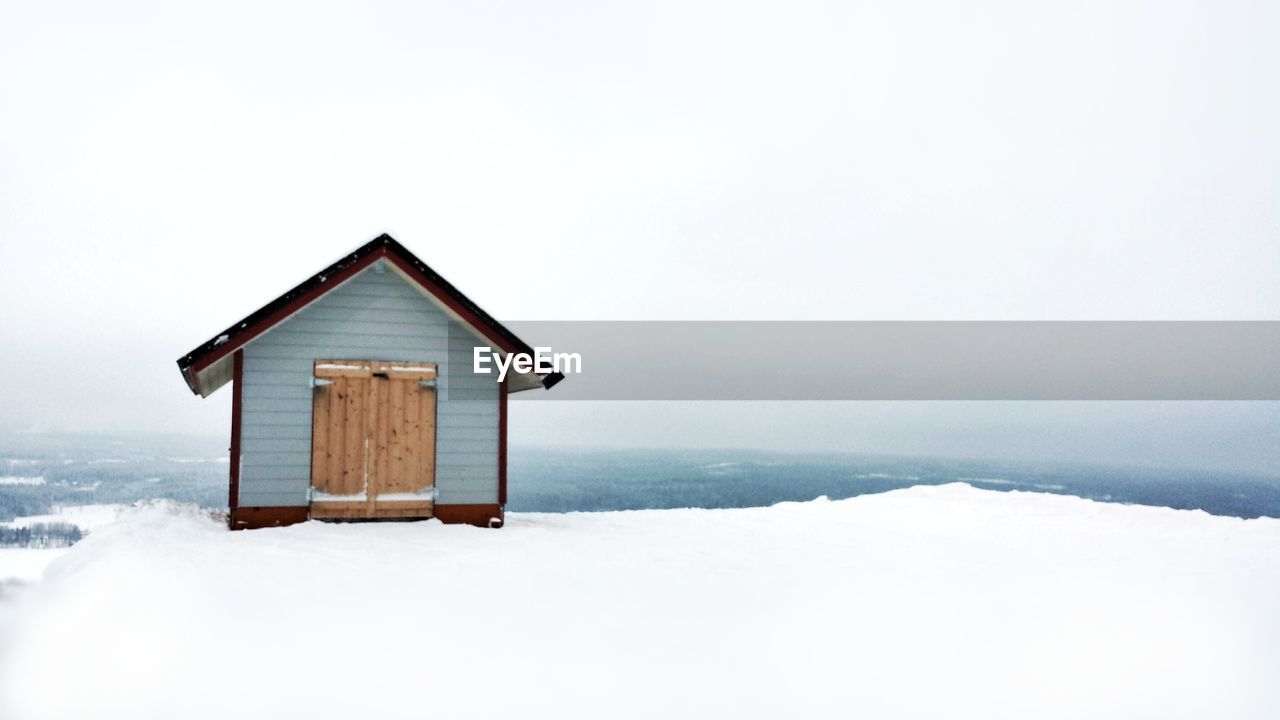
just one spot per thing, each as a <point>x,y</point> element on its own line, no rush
<point>40,535</point>
<point>92,470</point>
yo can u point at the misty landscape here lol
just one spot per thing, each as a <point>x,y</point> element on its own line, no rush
<point>918,361</point>
<point>45,474</point>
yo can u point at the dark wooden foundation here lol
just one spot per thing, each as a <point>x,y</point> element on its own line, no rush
<point>249,518</point>
<point>478,515</point>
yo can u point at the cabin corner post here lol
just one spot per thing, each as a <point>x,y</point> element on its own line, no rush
<point>502,445</point>
<point>237,403</point>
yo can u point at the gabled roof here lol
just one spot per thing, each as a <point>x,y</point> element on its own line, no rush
<point>208,367</point>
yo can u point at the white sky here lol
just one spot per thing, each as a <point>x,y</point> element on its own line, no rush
<point>165,171</point>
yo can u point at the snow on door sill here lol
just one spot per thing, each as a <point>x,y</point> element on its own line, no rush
<point>405,497</point>
<point>317,496</point>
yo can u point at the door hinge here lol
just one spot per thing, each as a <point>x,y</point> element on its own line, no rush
<point>320,382</point>
<point>427,383</point>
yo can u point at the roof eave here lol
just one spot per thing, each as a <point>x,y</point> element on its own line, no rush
<point>268,316</point>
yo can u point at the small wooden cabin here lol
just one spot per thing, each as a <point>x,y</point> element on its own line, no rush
<point>354,396</point>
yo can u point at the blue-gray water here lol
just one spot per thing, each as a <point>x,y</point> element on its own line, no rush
<point>86,469</point>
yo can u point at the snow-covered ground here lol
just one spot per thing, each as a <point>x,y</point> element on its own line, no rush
<point>26,564</point>
<point>930,602</point>
<point>85,517</point>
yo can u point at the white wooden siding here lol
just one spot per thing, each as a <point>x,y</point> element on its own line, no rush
<point>373,316</point>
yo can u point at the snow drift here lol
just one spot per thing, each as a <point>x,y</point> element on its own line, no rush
<point>942,601</point>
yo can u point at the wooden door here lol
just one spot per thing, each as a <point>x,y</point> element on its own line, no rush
<point>373,439</point>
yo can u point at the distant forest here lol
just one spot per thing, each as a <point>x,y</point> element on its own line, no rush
<point>563,480</point>
<point>40,535</point>
<point>39,472</point>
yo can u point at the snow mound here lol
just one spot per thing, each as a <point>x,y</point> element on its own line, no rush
<point>85,517</point>
<point>23,565</point>
<point>944,601</point>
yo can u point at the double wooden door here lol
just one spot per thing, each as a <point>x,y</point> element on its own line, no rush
<point>373,439</point>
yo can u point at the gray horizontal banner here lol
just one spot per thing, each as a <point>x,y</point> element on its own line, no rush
<point>660,360</point>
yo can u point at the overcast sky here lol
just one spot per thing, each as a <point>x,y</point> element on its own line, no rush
<point>165,171</point>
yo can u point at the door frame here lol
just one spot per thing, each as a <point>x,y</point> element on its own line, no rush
<point>372,443</point>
